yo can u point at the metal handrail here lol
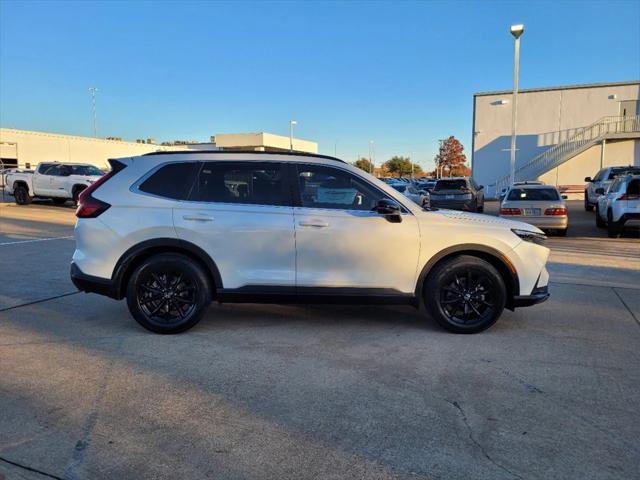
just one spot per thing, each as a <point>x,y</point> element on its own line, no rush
<point>564,150</point>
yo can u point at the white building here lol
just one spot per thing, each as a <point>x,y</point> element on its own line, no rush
<point>25,149</point>
<point>563,133</point>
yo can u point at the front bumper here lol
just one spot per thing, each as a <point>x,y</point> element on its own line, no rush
<point>90,284</point>
<point>539,295</point>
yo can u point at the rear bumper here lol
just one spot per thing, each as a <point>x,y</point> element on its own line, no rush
<point>549,221</point>
<point>90,284</point>
<point>539,295</point>
<point>630,219</point>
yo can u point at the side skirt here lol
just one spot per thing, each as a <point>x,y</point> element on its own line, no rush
<point>316,295</point>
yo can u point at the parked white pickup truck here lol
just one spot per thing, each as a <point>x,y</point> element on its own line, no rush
<point>57,181</point>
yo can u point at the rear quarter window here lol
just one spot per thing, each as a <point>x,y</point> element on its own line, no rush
<point>172,181</point>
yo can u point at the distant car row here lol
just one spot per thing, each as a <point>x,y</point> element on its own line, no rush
<point>456,193</point>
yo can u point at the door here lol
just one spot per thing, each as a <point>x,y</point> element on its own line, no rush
<point>58,181</point>
<point>241,214</point>
<point>341,243</point>
<point>42,179</point>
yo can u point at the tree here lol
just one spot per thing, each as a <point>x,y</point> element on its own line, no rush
<point>452,155</point>
<point>363,163</point>
<point>401,166</point>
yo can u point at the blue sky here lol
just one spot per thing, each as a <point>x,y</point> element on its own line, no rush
<point>399,73</point>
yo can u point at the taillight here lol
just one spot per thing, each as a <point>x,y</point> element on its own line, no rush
<point>90,207</point>
<point>510,211</point>
<point>556,211</point>
<point>626,196</point>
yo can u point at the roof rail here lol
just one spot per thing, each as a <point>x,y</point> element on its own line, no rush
<point>301,154</point>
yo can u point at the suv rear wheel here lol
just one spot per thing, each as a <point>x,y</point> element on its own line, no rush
<point>168,293</point>
<point>465,294</point>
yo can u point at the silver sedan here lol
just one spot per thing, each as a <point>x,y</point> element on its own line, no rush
<point>539,205</point>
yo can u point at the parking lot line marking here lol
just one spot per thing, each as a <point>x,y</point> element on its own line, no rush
<point>35,240</point>
<point>38,301</point>
<point>633,315</point>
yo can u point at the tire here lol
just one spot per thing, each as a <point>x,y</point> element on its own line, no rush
<point>599,222</point>
<point>613,229</point>
<point>168,293</point>
<point>480,209</point>
<point>59,201</point>
<point>562,233</point>
<point>452,299</point>
<point>21,195</point>
<point>587,206</point>
<point>76,194</point>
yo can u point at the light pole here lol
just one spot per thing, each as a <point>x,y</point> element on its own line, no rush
<point>92,91</point>
<point>291,124</point>
<point>516,31</point>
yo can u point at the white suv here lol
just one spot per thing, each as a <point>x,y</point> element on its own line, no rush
<point>173,231</point>
<point>619,207</point>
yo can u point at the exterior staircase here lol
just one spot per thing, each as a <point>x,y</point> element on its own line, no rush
<point>584,138</point>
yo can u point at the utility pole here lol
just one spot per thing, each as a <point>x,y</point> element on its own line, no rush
<point>92,91</point>
<point>371,157</point>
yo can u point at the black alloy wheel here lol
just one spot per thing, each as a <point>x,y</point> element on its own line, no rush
<point>168,293</point>
<point>465,294</point>
<point>21,196</point>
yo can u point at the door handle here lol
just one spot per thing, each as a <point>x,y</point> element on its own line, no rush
<point>198,218</point>
<point>313,223</point>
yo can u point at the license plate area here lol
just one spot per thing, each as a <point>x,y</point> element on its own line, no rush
<point>531,212</point>
<point>449,197</point>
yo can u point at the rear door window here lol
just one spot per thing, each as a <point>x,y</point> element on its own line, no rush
<point>173,180</point>
<point>251,183</point>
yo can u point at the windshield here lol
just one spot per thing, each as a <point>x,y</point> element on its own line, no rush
<point>86,170</point>
<point>623,171</point>
<point>450,185</point>
<point>533,194</point>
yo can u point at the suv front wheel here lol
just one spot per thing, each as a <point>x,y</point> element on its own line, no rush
<point>465,294</point>
<point>168,293</point>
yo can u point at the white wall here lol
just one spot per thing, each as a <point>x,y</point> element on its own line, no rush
<point>545,117</point>
<point>587,164</point>
<point>34,147</point>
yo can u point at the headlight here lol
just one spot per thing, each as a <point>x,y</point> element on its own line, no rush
<point>529,236</point>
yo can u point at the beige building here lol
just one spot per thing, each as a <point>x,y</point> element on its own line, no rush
<point>563,133</point>
<point>25,149</point>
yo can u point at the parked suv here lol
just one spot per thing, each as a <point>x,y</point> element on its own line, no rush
<point>171,231</point>
<point>601,181</point>
<point>619,207</point>
<point>458,193</point>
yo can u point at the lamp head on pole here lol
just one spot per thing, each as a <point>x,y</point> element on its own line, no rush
<point>517,30</point>
<point>293,122</point>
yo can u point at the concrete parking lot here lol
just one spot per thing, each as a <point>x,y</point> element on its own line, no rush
<point>279,392</point>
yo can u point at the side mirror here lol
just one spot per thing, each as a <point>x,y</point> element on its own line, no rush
<point>599,191</point>
<point>481,187</point>
<point>564,197</point>
<point>390,209</point>
<point>588,179</point>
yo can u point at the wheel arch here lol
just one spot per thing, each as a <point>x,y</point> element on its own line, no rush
<point>141,251</point>
<point>21,183</point>
<point>494,257</point>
